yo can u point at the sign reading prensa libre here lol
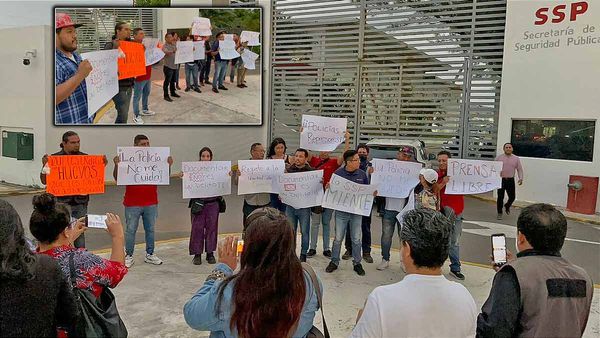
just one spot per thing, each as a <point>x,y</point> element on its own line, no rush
<point>468,177</point>
<point>143,165</point>
<point>75,175</point>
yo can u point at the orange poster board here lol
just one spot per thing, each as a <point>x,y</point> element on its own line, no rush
<point>134,62</point>
<point>75,175</point>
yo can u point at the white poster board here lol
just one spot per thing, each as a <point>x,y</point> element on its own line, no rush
<point>201,26</point>
<point>206,179</point>
<point>249,59</point>
<point>347,196</point>
<point>258,176</point>
<point>468,177</point>
<point>227,50</point>
<point>410,205</point>
<point>322,133</point>
<point>143,165</point>
<point>103,82</point>
<point>199,50</point>
<point>250,37</point>
<point>152,52</point>
<point>184,52</point>
<point>395,178</point>
<point>301,190</point>
<point>228,37</point>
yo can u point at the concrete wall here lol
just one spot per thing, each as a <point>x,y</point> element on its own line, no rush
<point>174,18</point>
<point>553,83</point>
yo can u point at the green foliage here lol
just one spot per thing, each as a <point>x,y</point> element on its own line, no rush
<point>233,21</point>
<point>152,3</point>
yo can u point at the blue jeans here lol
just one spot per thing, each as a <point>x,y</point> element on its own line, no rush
<point>388,224</point>
<point>343,221</point>
<point>301,216</point>
<point>454,246</point>
<point>132,218</point>
<point>143,88</point>
<point>122,101</point>
<point>191,75</point>
<point>317,219</point>
<point>78,211</point>
<point>220,72</point>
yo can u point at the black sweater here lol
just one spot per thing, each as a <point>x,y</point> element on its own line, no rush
<point>35,308</point>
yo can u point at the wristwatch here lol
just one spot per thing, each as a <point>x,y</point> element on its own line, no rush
<point>216,275</point>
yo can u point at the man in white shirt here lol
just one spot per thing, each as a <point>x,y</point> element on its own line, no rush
<point>424,303</point>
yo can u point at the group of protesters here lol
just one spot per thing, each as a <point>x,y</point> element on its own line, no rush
<point>71,71</point>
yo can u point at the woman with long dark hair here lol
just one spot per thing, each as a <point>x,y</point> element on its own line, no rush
<point>270,296</point>
<point>35,298</point>
<point>277,151</point>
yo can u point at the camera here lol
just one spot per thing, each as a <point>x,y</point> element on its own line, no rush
<point>26,61</point>
<point>28,56</point>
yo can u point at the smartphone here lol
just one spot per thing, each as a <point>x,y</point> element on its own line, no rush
<point>96,221</point>
<point>240,246</point>
<point>499,249</point>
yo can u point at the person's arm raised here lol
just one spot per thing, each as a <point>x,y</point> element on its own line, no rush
<point>115,229</point>
<point>346,148</point>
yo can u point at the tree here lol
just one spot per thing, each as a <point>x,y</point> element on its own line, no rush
<point>151,3</point>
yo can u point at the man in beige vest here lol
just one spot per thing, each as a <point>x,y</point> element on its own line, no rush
<point>538,294</point>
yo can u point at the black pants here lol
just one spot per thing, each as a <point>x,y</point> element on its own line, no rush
<point>508,184</point>
<point>366,236</point>
<point>169,74</point>
<point>204,74</point>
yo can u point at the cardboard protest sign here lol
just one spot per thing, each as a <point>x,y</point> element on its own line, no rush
<point>102,83</point>
<point>227,50</point>
<point>410,205</point>
<point>469,177</point>
<point>249,59</point>
<point>258,176</point>
<point>301,190</point>
<point>322,133</point>
<point>206,179</point>
<point>134,62</point>
<point>75,175</point>
<point>184,52</point>
<point>250,37</point>
<point>199,50</point>
<point>153,53</point>
<point>347,196</point>
<point>228,37</point>
<point>143,165</point>
<point>201,26</point>
<point>395,178</point>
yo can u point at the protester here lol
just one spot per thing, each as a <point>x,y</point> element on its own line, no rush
<point>277,151</point>
<point>36,299</point>
<point>123,98</point>
<point>427,196</point>
<point>345,221</point>
<point>205,73</point>
<point>424,303</point>
<point>236,62</point>
<point>50,225</point>
<point>142,86</point>
<point>220,65</point>
<point>232,305</point>
<point>254,201</point>
<point>169,68</point>
<point>191,74</point>
<point>77,204</point>
<point>140,201</point>
<point>457,204</point>
<point>70,73</point>
<point>205,224</point>
<point>175,78</point>
<point>241,72</point>
<point>301,215</point>
<point>510,164</point>
<point>539,293</point>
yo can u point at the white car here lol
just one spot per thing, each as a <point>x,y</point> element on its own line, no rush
<point>388,149</point>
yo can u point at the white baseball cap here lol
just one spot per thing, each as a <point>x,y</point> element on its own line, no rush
<point>430,175</point>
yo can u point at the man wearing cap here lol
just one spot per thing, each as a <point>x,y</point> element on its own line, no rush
<point>123,98</point>
<point>70,73</point>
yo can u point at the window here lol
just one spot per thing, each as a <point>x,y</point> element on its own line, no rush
<point>555,139</point>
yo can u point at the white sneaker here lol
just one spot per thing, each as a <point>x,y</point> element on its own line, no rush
<point>138,120</point>
<point>128,261</point>
<point>147,113</point>
<point>383,265</point>
<point>153,259</point>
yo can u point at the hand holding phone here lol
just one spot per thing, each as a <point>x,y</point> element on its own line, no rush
<point>499,256</point>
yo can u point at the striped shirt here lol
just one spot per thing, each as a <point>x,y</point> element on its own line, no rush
<point>74,109</point>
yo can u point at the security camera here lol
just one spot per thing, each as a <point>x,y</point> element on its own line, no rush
<point>26,61</point>
<point>28,55</point>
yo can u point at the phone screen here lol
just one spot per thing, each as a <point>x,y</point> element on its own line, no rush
<point>96,221</point>
<point>499,249</point>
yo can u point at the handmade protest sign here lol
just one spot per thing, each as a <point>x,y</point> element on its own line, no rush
<point>206,179</point>
<point>258,176</point>
<point>201,26</point>
<point>468,177</point>
<point>250,37</point>
<point>227,50</point>
<point>75,175</point>
<point>322,133</point>
<point>134,62</point>
<point>301,190</point>
<point>143,165</point>
<point>410,205</point>
<point>228,37</point>
<point>199,51</point>
<point>153,53</point>
<point>395,178</point>
<point>347,196</point>
<point>249,59</point>
<point>184,52</point>
<point>102,83</point>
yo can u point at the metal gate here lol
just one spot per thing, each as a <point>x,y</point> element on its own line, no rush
<point>99,24</point>
<point>411,69</point>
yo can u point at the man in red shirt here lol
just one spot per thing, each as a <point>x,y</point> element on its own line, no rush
<point>141,86</point>
<point>140,201</point>
<point>456,203</point>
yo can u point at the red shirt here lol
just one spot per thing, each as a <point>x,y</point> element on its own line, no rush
<point>140,195</point>
<point>145,77</point>
<point>328,166</point>
<point>456,202</point>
